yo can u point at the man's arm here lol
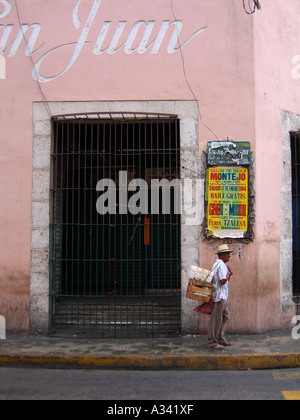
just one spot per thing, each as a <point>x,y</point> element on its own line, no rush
<point>229,274</point>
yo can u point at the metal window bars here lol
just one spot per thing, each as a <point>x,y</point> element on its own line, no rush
<point>119,274</point>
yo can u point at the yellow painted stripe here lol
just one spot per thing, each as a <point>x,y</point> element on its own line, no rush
<point>291,395</point>
<point>204,362</point>
<point>286,375</point>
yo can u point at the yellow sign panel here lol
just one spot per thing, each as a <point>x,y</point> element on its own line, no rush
<point>227,195</point>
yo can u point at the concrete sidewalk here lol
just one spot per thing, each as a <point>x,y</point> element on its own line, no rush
<point>266,351</point>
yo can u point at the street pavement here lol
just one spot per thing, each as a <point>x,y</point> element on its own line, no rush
<point>272,350</point>
<point>156,391</point>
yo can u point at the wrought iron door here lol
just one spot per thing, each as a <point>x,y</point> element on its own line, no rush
<point>295,147</point>
<point>115,274</point>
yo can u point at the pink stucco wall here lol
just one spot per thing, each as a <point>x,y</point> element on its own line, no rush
<point>235,71</point>
<point>276,41</point>
<point>256,288</point>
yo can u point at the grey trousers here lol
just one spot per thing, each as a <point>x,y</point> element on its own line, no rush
<point>218,323</point>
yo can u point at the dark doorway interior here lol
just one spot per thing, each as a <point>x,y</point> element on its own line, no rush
<point>295,147</point>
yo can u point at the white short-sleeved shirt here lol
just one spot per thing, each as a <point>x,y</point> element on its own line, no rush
<point>220,291</point>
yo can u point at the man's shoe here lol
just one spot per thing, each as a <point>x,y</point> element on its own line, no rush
<point>225,343</point>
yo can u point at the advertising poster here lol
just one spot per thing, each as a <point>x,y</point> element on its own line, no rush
<point>227,196</point>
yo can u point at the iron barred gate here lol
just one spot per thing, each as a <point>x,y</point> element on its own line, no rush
<point>116,274</point>
<point>295,147</point>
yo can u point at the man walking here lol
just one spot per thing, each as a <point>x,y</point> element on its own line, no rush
<point>220,312</point>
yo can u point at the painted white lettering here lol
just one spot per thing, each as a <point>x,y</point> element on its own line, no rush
<point>97,50</point>
<point>5,35</point>
<point>141,46</point>
<point>112,48</point>
<point>19,38</point>
<point>133,33</point>
<point>175,37</point>
<point>78,46</point>
<point>76,20</point>
<point>160,37</point>
<point>2,68</point>
<point>140,39</point>
<point>7,8</point>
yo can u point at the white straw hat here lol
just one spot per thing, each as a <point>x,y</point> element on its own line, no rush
<point>223,248</point>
